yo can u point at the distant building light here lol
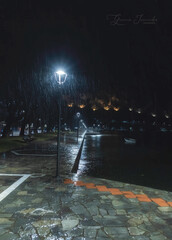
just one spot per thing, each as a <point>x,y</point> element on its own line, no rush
<point>167,116</point>
<point>139,110</point>
<point>106,108</point>
<point>130,109</point>
<point>153,115</point>
<point>70,105</point>
<point>116,109</point>
<point>81,106</point>
<point>94,108</point>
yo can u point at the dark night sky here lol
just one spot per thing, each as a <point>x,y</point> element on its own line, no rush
<point>132,61</point>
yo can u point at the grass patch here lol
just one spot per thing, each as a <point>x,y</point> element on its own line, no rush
<point>9,143</point>
<point>44,136</point>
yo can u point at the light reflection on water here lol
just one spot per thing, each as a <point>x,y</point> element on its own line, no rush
<point>149,164</point>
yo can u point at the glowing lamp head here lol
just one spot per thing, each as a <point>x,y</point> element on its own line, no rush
<point>61,77</point>
<point>60,72</point>
<point>78,114</point>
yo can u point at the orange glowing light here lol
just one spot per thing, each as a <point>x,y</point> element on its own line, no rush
<point>94,108</point>
<point>106,108</point>
<point>116,109</point>
<point>70,105</point>
<point>81,106</point>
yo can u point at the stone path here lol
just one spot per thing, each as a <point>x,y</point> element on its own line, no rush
<point>77,207</point>
<point>42,208</point>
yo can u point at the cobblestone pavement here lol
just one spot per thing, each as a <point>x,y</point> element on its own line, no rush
<point>81,208</point>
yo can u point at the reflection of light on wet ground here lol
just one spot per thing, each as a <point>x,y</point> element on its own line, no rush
<point>83,167</point>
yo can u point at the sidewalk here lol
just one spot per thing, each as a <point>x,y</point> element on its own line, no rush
<point>78,207</point>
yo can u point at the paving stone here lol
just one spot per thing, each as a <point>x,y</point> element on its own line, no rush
<point>140,238</point>
<point>46,223</point>
<point>84,238</point>
<point>22,193</point>
<point>37,200</point>
<point>118,204</point>
<point>165,209</point>
<point>133,222</point>
<point>80,210</point>
<point>6,221</point>
<point>28,232</point>
<point>167,232</point>
<point>93,210</point>
<point>90,233</point>
<point>10,236</point>
<point>111,220</point>
<point>101,234</point>
<point>104,197</point>
<point>112,212</point>
<point>5,215</point>
<point>101,238</point>
<point>58,231</point>
<point>103,212</point>
<point>68,224</point>
<point>26,211</point>
<point>148,228</point>
<point>88,222</point>
<point>158,237</point>
<point>121,212</point>
<point>15,204</point>
<point>53,237</point>
<point>77,232</point>
<point>135,231</point>
<point>3,230</point>
<point>117,231</point>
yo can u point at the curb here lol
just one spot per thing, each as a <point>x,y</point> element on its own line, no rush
<point>76,163</point>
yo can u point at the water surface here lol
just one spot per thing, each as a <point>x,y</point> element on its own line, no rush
<point>147,163</point>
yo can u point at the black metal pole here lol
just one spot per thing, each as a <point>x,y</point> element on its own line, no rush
<point>58,138</point>
<point>78,130</point>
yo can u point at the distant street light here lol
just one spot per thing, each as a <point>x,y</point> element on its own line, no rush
<point>61,78</point>
<point>78,116</point>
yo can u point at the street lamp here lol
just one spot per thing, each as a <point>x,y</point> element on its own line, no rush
<point>78,116</point>
<point>61,78</point>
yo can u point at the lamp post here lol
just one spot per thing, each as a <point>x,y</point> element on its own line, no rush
<point>61,78</point>
<point>78,116</point>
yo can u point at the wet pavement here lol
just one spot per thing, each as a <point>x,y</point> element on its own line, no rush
<point>77,207</point>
